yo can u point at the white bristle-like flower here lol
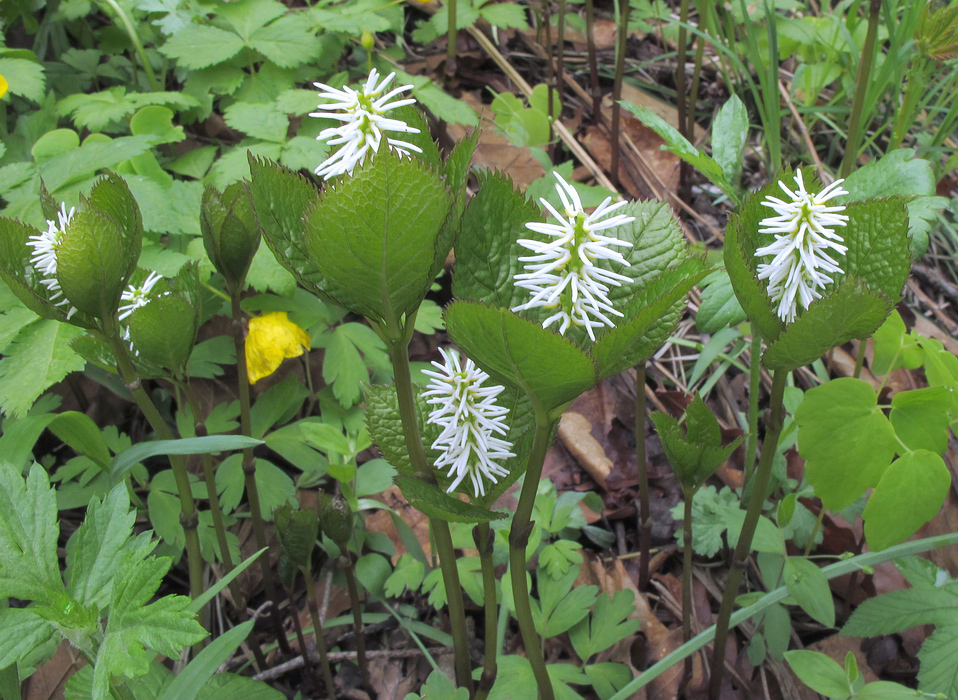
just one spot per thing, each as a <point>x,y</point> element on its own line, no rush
<point>137,296</point>
<point>45,247</point>
<point>470,419</point>
<point>803,238</point>
<point>563,274</point>
<point>362,112</point>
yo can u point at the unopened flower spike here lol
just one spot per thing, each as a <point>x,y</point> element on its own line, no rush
<point>563,274</point>
<point>45,246</point>
<point>363,113</point>
<point>469,417</point>
<point>803,238</point>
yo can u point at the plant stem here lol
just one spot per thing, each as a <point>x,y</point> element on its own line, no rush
<point>560,61</point>
<point>137,44</point>
<point>484,543</point>
<point>744,546</point>
<point>450,67</point>
<point>188,515</point>
<point>754,388</point>
<point>399,356</point>
<point>210,476</point>
<point>300,638</point>
<point>347,565</point>
<point>249,470</point>
<point>518,540</point>
<point>860,358</point>
<point>593,66</point>
<point>645,509</point>
<point>696,74</point>
<point>864,72</point>
<point>622,35</point>
<point>687,578</point>
<point>313,606</point>
<point>682,106</point>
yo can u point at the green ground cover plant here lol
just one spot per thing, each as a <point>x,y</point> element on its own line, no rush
<point>308,304</point>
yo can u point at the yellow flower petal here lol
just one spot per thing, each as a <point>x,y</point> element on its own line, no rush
<point>4,85</point>
<point>272,338</point>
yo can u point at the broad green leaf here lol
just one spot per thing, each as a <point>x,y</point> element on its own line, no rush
<point>386,428</point>
<point>808,586</point>
<point>343,368</point>
<point>288,42</point>
<point>281,198</point>
<point>609,622</point>
<point>845,439</point>
<point>850,312</point>
<point>438,504</point>
<point>894,348</point>
<point>729,133</point>
<point>159,341</point>
<point>259,120</point>
<point>166,208</point>
<point>373,235</point>
<point>516,680</point>
<point>440,687</point>
<point>910,493</point>
<point>938,672</point>
<point>23,631</point>
<point>486,261</point>
<point>877,240</point>
<point>29,568</point>
<point>819,672</point>
<point>187,446</point>
<point>92,156</point>
<point>275,486</point>
<point>920,419</point>
<point>521,353</point>
<point>767,537</point>
<point>651,317</point>
<point>885,690</point>
<point>229,686</point>
<point>91,263</point>
<point>898,610</point>
<point>246,16</point>
<point>608,677</point>
<point>95,549</point>
<point>38,358</point>
<point>719,308</point>
<point>941,369</point>
<point>297,530</point>
<point>230,232</point>
<point>199,46</point>
<point>281,400</point>
<point>80,432</point>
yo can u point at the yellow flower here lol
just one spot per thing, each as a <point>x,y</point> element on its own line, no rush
<point>4,85</point>
<point>272,338</point>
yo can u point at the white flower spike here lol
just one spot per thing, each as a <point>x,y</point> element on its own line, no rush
<point>363,115</point>
<point>469,417</point>
<point>803,237</point>
<point>137,296</point>
<point>45,246</point>
<point>563,274</point>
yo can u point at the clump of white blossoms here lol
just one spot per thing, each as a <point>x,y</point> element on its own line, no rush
<point>803,237</point>
<point>45,246</point>
<point>136,296</point>
<point>470,418</point>
<point>363,115</point>
<point>563,274</point>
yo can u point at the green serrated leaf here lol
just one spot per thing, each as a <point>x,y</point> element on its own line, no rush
<point>38,358</point>
<point>938,672</point>
<point>439,504</point>
<point>259,120</point>
<point>29,530</point>
<point>282,226</point>
<point>719,308</point>
<point>845,439</point>
<point>521,353</point>
<point>609,623</point>
<point>373,236</point>
<point>95,550</point>
<point>851,312</point>
<point>92,263</point>
<point>877,240</point>
<point>199,46</point>
<point>729,133</point>
<point>24,77</point>
<point>24,631</point>
<point>82,163</point>
<point>898,610</point>
<point>288,42</point>
<point>485,261</point>
<point>159,341</point>
<point>910,493</point>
